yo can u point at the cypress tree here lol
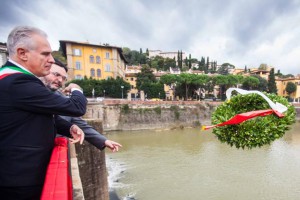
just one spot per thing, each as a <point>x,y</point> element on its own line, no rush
<point>272,88</point>
<point>190,61</point>
<point>178,58</point>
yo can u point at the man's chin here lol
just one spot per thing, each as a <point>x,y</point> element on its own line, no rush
<point>54,88</point>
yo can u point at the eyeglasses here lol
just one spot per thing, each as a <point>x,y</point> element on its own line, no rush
<point>58,75</point>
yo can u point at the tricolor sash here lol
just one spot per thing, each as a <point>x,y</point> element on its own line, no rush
<point>10,70</point>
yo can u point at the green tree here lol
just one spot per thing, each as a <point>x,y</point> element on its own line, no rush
<point>222,81</point>
<point>250,83</point>
<point>187,80</point>
<point>245,70</point>
<point>262,85</point>
<point>263,66</point>
<point>111,86</point>
<point>169,62</point>
<point>207,66</point>
<point>153,90</point>
<point>272,88</point>
<point>290,88</point>
<point>145,76</point>
<point>59,55</point>
<point>202,64</point>
<point>190,61</point>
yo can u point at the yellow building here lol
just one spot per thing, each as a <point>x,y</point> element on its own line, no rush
<point>92,60</point>
<point>131,77</point>
<point>282,83</point>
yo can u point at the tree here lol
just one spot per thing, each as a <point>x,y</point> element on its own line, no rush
<point>59,55</point>
<point>207,65</point>
<point>222,81</point>
<point>190,61</point>
<point>170,80</point>
<point>245,70</point>
<point>272,88</point>
<point>145,76</point>
<point>169,62</point>
<point>290,88</point>
<point>263,66</point>
<point>186,61</point>
<point>111,86</point>
<point>187,80</point>
<point>153,90</point>
<point>250,83</point>
<point>202,64</point>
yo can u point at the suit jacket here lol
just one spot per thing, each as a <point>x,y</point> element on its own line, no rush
<point>91,135</point>
<point>28,126</point>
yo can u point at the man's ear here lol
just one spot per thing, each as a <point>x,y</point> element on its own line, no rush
<point>22,54</point>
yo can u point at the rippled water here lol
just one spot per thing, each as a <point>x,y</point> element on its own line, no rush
<point>192,164</point>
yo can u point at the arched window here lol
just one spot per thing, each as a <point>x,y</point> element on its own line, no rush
<point>98,61</point>
<point>107,67</point>
<point>92,72</point>
<point>98,72</point>
<point>91,59</point>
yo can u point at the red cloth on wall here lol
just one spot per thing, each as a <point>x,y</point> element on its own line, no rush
<point>58,183</point>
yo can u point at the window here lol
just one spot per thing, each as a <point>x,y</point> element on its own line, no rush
<point>78,77</point>
<point>77,52</point>
<point>98,72</point>
<point>107,67</point>
<point>91,59</point>
<point>78,65</point>
<point>94,50</point>
<point>131,79</point>
<point>92,72</point>
<point>107,55</point>
<point>98,59</point>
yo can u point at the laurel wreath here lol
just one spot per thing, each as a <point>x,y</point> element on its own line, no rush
<point>255,132</point>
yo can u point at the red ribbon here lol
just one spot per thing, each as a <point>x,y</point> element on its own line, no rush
<point>239,118</point>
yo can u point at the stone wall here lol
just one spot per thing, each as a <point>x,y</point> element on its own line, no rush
<point>92,168</point>
<point>137,115</point>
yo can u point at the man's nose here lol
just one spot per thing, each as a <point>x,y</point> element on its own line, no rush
<point>51,59</point>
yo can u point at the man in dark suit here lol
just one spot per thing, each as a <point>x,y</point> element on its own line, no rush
<point>28,110</point>
<point>54,81</point>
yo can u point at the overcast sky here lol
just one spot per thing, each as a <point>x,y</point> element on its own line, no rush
<point>241,32</point>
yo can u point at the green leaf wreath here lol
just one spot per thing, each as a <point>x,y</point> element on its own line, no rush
<point>255,132</point>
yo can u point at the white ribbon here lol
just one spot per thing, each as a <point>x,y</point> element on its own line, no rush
<point>275,106</point>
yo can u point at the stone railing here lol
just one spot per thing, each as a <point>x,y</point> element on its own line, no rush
<point>89,174</point>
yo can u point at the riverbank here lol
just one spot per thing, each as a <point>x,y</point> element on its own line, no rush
<point>142,115</point>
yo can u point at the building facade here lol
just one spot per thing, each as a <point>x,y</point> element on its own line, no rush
<point>92,60</point>
<point>281,87</point>
<point>3,54</point>
<point>171,55</point>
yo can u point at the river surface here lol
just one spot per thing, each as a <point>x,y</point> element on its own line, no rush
<point>192,164</point>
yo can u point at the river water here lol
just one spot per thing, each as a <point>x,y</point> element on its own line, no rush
<point>192,164</point>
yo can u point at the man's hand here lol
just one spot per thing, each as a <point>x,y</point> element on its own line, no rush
<point>77,134</point>
<point>71,86</point>
<point>114,146</point>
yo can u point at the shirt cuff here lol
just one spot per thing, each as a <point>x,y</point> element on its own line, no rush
<point>76,89</point>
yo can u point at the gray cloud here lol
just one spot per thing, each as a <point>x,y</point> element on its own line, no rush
<point>240,32</point>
